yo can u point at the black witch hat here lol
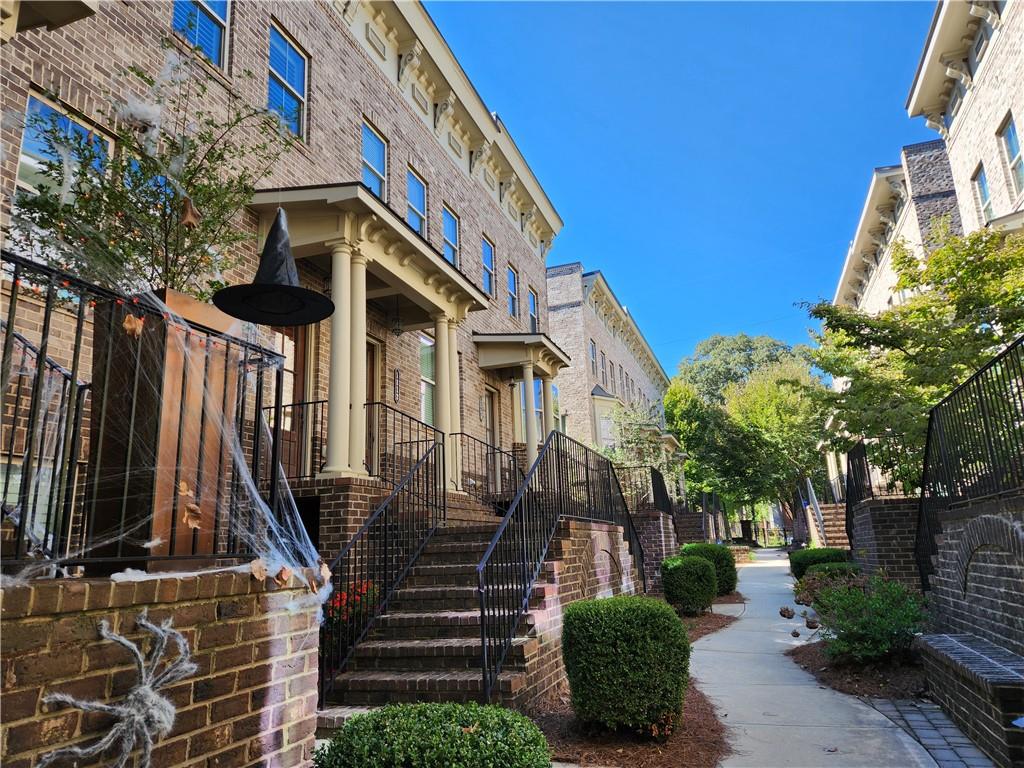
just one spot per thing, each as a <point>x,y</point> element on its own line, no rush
<point>274,297</point>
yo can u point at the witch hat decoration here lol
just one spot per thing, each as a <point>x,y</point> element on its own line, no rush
<point>274,297</point>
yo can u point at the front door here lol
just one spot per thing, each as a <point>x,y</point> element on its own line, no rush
<point>290,343</point>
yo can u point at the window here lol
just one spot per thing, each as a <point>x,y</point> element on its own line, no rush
<point>427,379</point>
<point>593,357</point>
<point>982,191</point>
<point>1014,158</point>
<point>416,192</point>
<point>611,367</point>
<point>375,161</point>
<point>622,382</point>
<point>487,260</point>
<point>450,235</point>
<point>35,149</point>
<point>286,86</point>
<point>203,24</point>
<point>956,98</point>
<point>534,307</point>
<point>604,372</point>
<point>513,293</point>
<point>538,408</point>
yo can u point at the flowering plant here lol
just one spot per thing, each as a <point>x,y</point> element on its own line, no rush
<point>359,598</point>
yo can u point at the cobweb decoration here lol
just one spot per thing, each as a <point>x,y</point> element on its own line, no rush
<point>145,714</point>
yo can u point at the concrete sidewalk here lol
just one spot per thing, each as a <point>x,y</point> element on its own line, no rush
<point>777,713</point>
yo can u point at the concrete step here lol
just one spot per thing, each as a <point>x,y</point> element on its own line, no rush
<point>384,686</point>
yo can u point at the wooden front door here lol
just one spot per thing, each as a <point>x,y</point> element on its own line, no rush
<point>296,421</point>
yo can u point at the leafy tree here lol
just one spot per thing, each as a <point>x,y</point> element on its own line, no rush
<point>719,360</point>
<point>638,441</point>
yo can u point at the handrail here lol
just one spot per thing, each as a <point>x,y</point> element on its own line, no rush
<point>373,563</point>
<point>567,480</point>
<point>485,471</point>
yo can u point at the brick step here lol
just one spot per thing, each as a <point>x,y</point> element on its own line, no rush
<point>452,554</point>
<point>441,575</point>
<point>438,624</point>
<point>483,531</point>
<point>453,653</point>
<point>387,686</point>
<point>440,598</point>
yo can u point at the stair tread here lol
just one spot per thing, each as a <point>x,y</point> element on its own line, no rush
<point>360,675</point>
<point>368,646</point>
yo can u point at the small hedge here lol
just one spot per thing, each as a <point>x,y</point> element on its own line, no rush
<point>459,735</point>
<point>834,568</point>
<point>802,559</point>
<point>825,576</point>
<point>628,662</point>
<point>690,583</point>
<point>722,558</point>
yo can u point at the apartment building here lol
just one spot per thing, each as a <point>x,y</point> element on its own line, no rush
<point>969,87</point>
<point>612,363</point>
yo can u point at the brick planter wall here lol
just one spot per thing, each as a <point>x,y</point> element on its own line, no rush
<point>252,701</point>
<point>978,584</point>
<point>884,538</point>
<point>657,534</point>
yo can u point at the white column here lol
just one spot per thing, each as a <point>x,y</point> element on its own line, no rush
<point>531,416</point>
<point>549,406</point>
<point>339,384</point>
<point>456,410</point>
<point>442,386</point>
<point>357,417</point>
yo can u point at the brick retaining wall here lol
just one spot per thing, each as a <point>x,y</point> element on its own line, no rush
<point>658,538</point>
<point>252,701</point>
<point>884,538</point>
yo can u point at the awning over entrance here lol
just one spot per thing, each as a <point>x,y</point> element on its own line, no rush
<point>511,351</point>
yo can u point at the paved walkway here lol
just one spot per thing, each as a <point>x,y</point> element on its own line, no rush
<point>777,713</point>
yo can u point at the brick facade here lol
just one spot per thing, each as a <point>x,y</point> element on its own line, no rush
<point>252,701</point>
<point>884,539</point>
<point>657,534</point>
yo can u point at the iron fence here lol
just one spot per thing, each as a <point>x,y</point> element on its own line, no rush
<point>974,446</point>
<point>644,488</point>
<point>396,442</point>
<point>568,480</point>
<point>487,473</point>
<point>303,437</point>
<point>879,468</point>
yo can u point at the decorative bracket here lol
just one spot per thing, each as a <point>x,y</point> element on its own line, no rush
<point>480,156</point>
<point>409,60</point>
<point>956,70</point>
<point>508,187</point>
<point>934,121</point>
<point>444,107</point>
<point>985,12</point>
<point>348,10</point>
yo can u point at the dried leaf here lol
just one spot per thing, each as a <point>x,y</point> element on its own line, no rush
<point>470,728</point>
<point>193,516</point>
<point>133,325</point>
<point>283,576</point>
<point>259,569</point>
<point>190,216</point>
<point>183,489</point>
<point>325,573</point>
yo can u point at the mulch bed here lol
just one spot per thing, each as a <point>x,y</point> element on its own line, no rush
<point>898,679</point>
<point>733,597</point>
<point>705,624</point>
<point>698,742</point>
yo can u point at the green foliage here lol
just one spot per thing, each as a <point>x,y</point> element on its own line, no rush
<point>457,735</point>
<point>719,361</point>
<point>627,659</point>
<point>637,433</point>
<point>869,623</point>
<point>833,567</point>
<point>160,210</point>
<point>802,559</point>
<point>965,303</point>
<point>826,575</point>
<point>721,557</point>
<point>690,583</point>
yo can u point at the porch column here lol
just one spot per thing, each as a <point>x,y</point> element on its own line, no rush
<point>531,414</point>
<point>442,386</point>
<point>549,406</point>
<point>456,409</point>
<point>341,336</point>
<point>357,369</point>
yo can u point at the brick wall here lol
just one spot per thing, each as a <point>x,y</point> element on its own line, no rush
<point>252,701</point>
<point>658,538</point>
<point>978,584</point>
<point>884,538</point>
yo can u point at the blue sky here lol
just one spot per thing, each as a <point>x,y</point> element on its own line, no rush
<point>710,158</point>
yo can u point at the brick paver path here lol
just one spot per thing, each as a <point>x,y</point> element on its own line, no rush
<point>927,723</point>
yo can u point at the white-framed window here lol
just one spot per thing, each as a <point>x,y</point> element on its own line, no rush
<point>428,380</point>
<point>1014,159</point>
<point>533,305</point>
<point>611,367</point>
<point>487,263</point>
<point>604,371</point>
<point>450,235</point>
<point>286,83</point>
<point>622,381</point>
<point>375,161</point>
<point>513,292</point>
<point>982,191</point>
<point>416,198</point>
<point>203,24</point>
<point>40,115</point>
<point>956,98</point>
<point>538,408</point>
<point>593,357</point>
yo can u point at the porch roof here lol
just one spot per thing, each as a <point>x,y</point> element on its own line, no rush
<point>512,350</point>
<point>400,262</point>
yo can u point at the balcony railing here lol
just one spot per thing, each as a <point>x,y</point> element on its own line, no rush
<point>975,445</point>
<point>487,473</point>
<point>395,442</point>
<point>644,488</point>
<point>303,437</point>
<point>879,468</point>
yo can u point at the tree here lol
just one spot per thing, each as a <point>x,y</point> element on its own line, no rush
<point>719,360</point>
<point>966,302</point>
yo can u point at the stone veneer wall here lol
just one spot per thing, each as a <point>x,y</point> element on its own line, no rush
<point>252,702</point>
<point>657,534</point>
<point>978,584</point>
<point>884,538</point>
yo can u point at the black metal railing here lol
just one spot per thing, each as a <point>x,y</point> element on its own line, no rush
<point>644,488</point>
<point>303,437</point>
<point>486,472</point>
<point>373,563</point>
<point>879,468</point>
<point>567,480</point>
<point>395,442</point>
<point>128,434</point>
<point>974,446</point>
<point>835,489</point>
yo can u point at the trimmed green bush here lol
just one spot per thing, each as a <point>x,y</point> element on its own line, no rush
<point>802,559</point>
<point>628,662</point>
<point>868,623</point>
<point>458,735</point>
<point>690,583</point>
<point>844,568</point>
<point>721,557</point>
<point>825,576</point>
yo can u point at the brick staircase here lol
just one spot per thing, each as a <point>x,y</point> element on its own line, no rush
<point>426,646</point>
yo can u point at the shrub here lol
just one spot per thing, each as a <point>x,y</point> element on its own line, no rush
<point>690,583</point>
<point>825,575</point>
<point>870,622</point>
<point>627,659</point>
<point>802,559</point>
<point>844,568</point>
<point>461,735</point>
<point>721,557</point>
